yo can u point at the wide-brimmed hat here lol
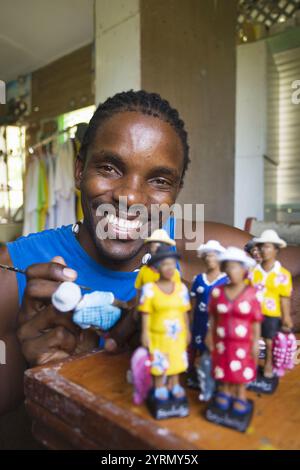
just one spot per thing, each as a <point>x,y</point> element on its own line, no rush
<point>160,236</point>
<point>270,236</point>
<point>236,254</point>
<point>163,252</point>
<point>211,245</point>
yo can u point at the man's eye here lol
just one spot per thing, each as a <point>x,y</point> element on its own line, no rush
<point>108,169</point>
<point>162,182</point>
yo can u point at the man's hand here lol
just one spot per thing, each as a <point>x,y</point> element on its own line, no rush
<point>43,332</point>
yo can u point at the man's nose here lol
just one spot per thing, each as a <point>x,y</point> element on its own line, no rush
<point>133,189</point>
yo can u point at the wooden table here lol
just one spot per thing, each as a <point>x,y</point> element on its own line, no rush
<point>86,403</point>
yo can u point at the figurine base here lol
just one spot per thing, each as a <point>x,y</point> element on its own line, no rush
<point>228,418</point>
<point>171,408</point>
<point>192,379</point>
<point>262,384</point>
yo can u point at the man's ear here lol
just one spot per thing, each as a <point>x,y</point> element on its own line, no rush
<point>79,165</point>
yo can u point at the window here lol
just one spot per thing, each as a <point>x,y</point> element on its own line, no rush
<point>12,161</point>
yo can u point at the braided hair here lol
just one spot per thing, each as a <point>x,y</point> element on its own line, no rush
<point>141,101</point>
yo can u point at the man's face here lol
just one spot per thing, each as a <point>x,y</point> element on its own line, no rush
<point>133,156</point>
<point>268,251</point>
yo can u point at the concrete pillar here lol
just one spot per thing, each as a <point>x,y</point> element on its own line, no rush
<point>251,131</point>
<point>117,47</point>
<point>184,50</point>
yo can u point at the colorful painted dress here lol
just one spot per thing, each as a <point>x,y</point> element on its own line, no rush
<point>201,290</point>
<point>232,334</point>
<point>271,286</point>
<point>167,327</point>
<point>148,274</point>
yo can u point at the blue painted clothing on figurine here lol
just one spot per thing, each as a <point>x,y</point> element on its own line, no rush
<point>201,289</point>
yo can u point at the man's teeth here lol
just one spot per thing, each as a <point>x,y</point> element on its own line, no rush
<point>123,223</point>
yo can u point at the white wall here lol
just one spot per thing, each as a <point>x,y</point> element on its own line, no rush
<point>117,54</point>
<point>251,127</point>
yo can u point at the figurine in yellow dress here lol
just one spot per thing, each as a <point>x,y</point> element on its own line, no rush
<point>164,305</point>
<point>148,273</point>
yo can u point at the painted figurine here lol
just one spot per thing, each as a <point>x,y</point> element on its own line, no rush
<point>235,317</point>
<point>274,284</point>
<point>164,306</point>
<point>200,292</point>
<point>100,310</point>
<point>148,273</point>
<point>253,250</point>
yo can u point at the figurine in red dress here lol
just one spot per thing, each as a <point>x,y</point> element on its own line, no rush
<point>235,317</point>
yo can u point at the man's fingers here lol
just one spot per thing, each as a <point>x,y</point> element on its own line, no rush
<point>38,350</point>
<point>51,271</point>
<point>120,335</point>
<point>37,295</point>
<point>40,289</point>
<point>59,259</point>
<point>55,355</point>
<point>44,320</point>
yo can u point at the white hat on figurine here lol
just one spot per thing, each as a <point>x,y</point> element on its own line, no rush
<point>66,296</point>
<point>160,236</point>
<point>270,236</point>
<point>211,245</point>
<point>236,254</point>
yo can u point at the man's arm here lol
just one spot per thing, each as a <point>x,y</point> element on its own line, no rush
<point>11,373</point>
<point>228,236</point>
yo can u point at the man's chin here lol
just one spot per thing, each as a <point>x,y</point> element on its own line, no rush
<point>119,250</point>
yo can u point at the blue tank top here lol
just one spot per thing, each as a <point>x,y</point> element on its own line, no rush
<point>41,247</point>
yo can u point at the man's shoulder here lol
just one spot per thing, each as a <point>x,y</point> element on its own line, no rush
<point>49,233</point>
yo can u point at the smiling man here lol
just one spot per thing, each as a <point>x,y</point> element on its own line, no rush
<point>135,149</point>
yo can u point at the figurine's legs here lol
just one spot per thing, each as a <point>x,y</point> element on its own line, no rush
<point>240,403</point>
<point>268,368</point>
<point>160,390</point>
<point>175,387</point>
<point>224,396</point>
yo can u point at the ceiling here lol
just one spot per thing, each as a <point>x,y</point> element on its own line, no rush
<point>34,33</point>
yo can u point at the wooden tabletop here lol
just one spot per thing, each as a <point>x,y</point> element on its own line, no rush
<point>86,403</point>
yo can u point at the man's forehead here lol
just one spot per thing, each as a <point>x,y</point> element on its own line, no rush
<point>138,133</point>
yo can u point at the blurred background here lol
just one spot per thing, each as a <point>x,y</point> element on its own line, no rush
<point>231,67</point>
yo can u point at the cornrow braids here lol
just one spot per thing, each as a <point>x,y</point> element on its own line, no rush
<point>142,101</point>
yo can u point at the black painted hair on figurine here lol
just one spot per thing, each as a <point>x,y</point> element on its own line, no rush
<point>141,101</point>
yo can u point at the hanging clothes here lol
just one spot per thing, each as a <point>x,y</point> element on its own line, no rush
<point>79,211</point>
<point>42,203</point>
<point>51,216</point>
<point>64,185</point>
<point>31,200</point>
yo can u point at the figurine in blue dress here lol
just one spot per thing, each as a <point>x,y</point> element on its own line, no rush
<point>202,286</point>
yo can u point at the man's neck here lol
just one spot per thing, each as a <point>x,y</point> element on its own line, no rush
<point>213,273</point>
<point>87,243</point>
<point>268,265</point>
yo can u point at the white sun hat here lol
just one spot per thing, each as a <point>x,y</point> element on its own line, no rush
<point>160,236</point>
<point>211,245</point>
<point>236,254</point>
<point>270,236</point>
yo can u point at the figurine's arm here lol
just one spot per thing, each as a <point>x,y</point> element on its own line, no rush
<point>192,312</point>
<point>256,333</point>
<point>209,337</point>
<point>187,325</point>
<point>286,312</point>
<point>145,329</point>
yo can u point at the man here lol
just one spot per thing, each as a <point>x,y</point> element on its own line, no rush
<point>135,147</point>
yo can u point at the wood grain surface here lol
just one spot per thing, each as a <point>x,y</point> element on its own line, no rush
<point>86,403</point>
